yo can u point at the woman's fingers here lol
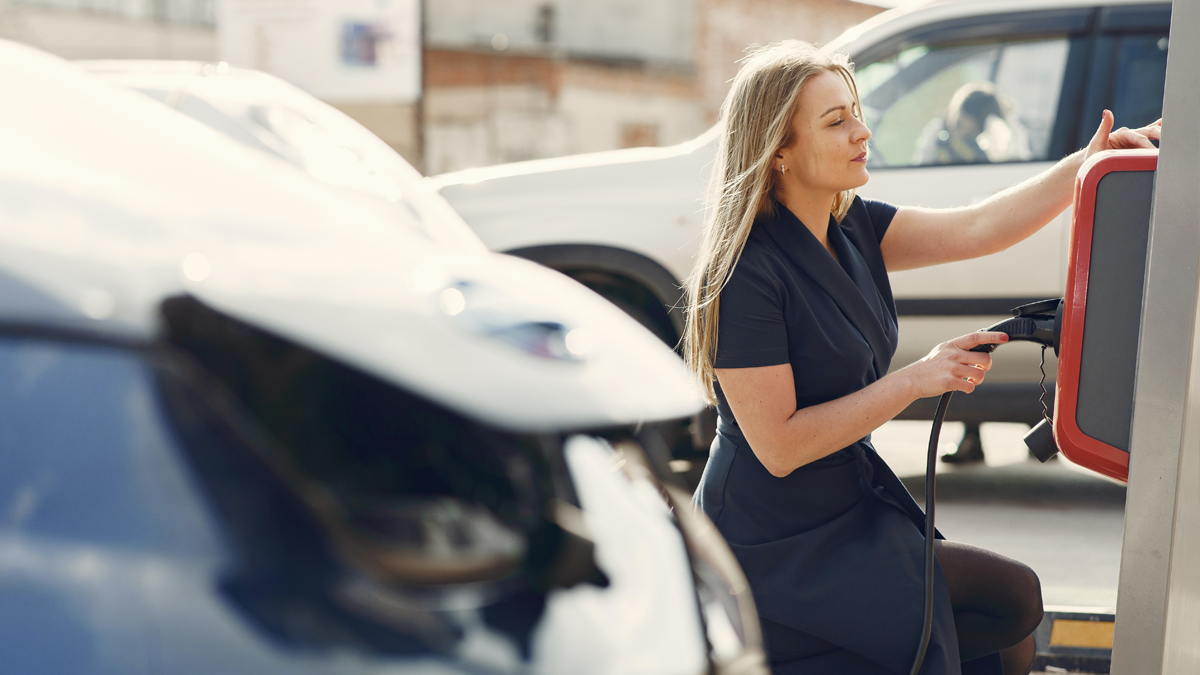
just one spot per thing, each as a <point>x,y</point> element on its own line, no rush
<point>971,373</point>
<point>951,366</point>
<point>963,384</point>
<point>980,360</point>
<point>1124,139</point>
<point>1152,130</point>
<point>1099,141</point>
<point>1107,138</point>
<point>983,337</point>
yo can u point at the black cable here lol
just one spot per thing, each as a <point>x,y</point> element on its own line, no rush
<point>930,474</point>
<point>1042,384</point>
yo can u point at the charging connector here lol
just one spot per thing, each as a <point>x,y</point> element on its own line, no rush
<point>1039,322</point>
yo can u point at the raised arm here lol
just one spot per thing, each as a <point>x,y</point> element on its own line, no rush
<point>919,237</point>
<point>784,439</point>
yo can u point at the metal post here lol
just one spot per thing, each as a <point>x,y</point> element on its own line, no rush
<point>1158,604</point>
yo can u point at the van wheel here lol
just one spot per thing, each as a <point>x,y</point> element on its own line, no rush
<point>632,298</point>
<point>691,438</point>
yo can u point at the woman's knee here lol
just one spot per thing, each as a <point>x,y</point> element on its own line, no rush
<point>1029,596</point>
<point>987,582</point>
<point>1022,596</point>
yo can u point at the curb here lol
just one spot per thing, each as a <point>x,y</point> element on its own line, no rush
<point>1075,639</point>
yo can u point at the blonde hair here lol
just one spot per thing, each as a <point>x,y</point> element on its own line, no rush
<point>757,115</point>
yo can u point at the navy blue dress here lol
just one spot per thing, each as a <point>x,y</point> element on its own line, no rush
<point>833,551</point>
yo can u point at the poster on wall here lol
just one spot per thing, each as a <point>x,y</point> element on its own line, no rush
<point>353,51</point>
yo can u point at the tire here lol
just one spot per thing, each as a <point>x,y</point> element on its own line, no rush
<point>690,438</point>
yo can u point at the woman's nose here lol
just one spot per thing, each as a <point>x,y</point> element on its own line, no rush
<point>861,132</point>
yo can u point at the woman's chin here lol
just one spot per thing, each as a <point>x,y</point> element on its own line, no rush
<point>858,180</point>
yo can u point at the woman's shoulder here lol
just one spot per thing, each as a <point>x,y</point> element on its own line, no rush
<point>869,216</point>
<point>761,261</point>
<point>757,276</point>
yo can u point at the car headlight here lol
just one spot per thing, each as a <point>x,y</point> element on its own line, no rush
<point>724,596</point>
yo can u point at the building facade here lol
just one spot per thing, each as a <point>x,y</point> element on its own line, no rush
<point>113,29</point>
<point>501,80</point>
<point>508,80</point>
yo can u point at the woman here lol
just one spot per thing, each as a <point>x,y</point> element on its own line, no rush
<point>791,330</point>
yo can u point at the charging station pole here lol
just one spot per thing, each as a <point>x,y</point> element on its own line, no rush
<point>1158,605</point>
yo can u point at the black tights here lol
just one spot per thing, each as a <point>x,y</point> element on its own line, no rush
<point>997,604</point>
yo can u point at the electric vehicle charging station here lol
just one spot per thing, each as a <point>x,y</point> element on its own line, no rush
<point>1129,403</point>
<point>1095,333</point>
<point>1128,387</point>
<point>1102,309</point>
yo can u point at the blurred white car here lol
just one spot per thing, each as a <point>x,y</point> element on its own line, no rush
<point>253,424</point>
<point>1036,74</point>
<point>267,114</point>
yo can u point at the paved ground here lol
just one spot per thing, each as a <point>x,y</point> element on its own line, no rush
<point>1062,520</point>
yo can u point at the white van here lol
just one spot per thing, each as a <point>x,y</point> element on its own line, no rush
<point>627,223</point>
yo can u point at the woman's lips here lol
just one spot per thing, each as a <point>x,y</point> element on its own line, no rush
<point>861,158</point>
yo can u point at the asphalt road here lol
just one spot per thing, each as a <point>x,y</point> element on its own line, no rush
<point>1062,520</point>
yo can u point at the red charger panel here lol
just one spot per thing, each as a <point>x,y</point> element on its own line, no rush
<point>1077,445</point>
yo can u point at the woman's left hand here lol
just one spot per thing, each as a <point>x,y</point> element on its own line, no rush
<point>1107,138</point>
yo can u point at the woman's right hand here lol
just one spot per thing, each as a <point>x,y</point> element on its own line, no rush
<point>952,366</point>
<point>1107,138</point>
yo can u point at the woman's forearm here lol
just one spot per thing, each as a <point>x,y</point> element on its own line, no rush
<point>1011,215</point>
<point>821,430</point>
<point>785,438</point>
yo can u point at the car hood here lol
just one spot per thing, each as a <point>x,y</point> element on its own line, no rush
<point>267,114</point>
<point>582,181</point>
<point>110,203</point>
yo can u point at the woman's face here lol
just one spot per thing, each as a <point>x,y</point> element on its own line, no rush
<point>829,150</point>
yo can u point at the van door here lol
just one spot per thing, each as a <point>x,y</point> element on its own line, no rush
<point>959,112</point>
<point>1129,57</point>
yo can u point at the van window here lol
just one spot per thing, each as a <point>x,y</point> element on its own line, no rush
<point>963,104</point>
<point>1140,79</point>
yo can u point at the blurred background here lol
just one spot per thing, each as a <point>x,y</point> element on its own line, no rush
<point>456,84</point>
<point>459,84</point>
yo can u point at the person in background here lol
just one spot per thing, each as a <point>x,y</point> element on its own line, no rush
<point>956,139</point>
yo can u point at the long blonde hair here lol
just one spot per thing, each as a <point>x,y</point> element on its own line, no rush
<point>757,115</point>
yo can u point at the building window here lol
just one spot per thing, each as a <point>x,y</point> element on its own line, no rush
<point>639,135</point>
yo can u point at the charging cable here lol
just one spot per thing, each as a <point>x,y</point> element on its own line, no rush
<point>930,475</point>
<point>1038,322</point>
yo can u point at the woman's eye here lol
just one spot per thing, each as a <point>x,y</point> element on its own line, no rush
<point>837,123</point>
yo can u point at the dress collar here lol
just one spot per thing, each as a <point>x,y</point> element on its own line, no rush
<point>849,284</point>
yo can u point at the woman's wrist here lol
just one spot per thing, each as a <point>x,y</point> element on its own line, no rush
<point>905,384</point>
<point>1075,160</point>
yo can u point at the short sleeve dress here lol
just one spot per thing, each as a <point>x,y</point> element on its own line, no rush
<point>834,551</point>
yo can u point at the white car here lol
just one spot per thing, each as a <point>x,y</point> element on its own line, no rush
<point>253,424</point>
<point>627,223</point>
<point>263,112</point>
